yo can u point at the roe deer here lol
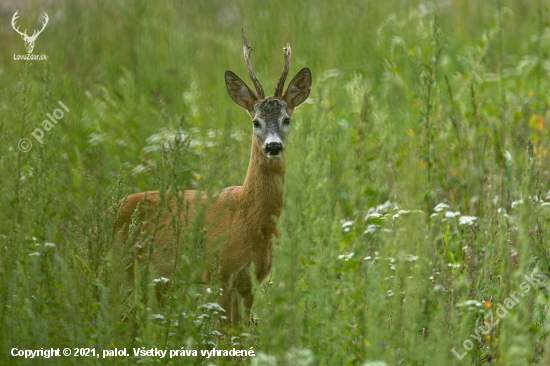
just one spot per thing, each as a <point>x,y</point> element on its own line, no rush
<point>245,217</point>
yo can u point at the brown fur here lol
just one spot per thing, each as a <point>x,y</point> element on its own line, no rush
<point>248,219</point>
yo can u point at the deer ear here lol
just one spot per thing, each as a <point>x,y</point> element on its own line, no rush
<point>239,92</point>
<point>298,90</point>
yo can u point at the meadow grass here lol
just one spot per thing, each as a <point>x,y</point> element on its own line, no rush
<point>416,194</point>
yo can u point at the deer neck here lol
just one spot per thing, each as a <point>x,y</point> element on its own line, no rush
<point>261,194</point>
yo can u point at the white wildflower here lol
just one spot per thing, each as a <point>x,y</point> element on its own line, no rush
<point>411,258</point>
<point>386,206</point>
<point>378,211</point>
<point>404,212</point>
<point>346,257</point>
<point>263,359</point>
<point>375,363</point>
<point>441,206</point>
<point>517,203</point>
<point>371,229</point>
<point>161,279</point>
<point>300,357</point>
<point>467,220</point>
<point>374,215</point>
<point>474,303</point>
<point>212,306</point>
<point>346,226</point>
<point>451,214</point>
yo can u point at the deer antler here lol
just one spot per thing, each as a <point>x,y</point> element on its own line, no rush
<point>281,82</point>
<point>257,84</point>
<point>13,24</point>
<point>34,35</point>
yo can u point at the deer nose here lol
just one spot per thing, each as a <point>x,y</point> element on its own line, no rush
<point>274,148</point>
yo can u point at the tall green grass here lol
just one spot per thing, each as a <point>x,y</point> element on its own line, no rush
<point>414,104</point>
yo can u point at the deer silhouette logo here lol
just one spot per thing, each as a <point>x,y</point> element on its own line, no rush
<point>29,41</point>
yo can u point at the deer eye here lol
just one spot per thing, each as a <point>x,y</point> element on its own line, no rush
<point>286,121</point>
<point>256,123</point>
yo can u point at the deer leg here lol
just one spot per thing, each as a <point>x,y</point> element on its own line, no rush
<point>248,300</point>
<point>244,287</point>
<point>226,301</point>
<point>234,309</point>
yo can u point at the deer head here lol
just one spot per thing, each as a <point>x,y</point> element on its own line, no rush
<point>29,41</point>
<point>271,115</point>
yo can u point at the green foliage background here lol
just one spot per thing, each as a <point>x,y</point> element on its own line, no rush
<point>413,102</point>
